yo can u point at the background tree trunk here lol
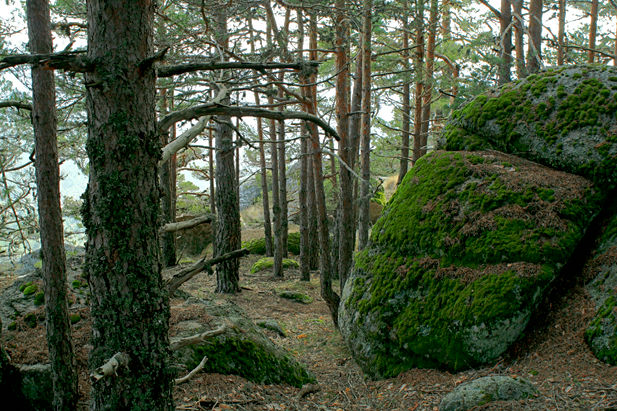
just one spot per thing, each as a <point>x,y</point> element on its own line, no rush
<point>593,31</point>
<point>428,82</point>
<point>505,58</point>
<point>561,33</point>
<point>406,106</point>
<point>517,10</point>
<point>419,72</point>
<point>59,341</point>
<point>534,52</point>
<point>129,302</point>
<point>168,208</point>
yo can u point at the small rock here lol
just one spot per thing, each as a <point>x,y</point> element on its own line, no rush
<point>272,325</point>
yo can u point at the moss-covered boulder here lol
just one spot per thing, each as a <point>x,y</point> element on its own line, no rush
<point>258,245</point>
<point>565,118</point>
<point>242,349</point>
<point>266,263</point>
<point>601,334</point>
<point>459,260</point>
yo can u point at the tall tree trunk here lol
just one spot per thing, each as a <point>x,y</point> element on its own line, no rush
<point>211,172</point>
<point>305,269</point>
<point>59,341</point>
<point>517,9</point>
<point>593,31</point>
<point>262,161</point>
<point>406,103</point>
<point>346,223</point>
<point>534,52</point>
<point>430,64</point>
<point>282,163</point>
<point>418,62</point>
<point>365,194</point>
<point>505,58</point>
<point>129,301</point>
<point>167,201</point>
<point>561,34</point>
<point>228,236</point>
<point>355,119</point>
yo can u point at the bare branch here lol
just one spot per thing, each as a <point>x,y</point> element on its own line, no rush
<point>169,71</point>
<point>195,339</point>
<point>70,61</point>
<point>183,139</point>
<point>183,225</point>
<point>191,271</point>
<point>175,116</point>
<point>195,370</point>
<point>16,104</point>
<point>118,360</point>
<point>496,12</point>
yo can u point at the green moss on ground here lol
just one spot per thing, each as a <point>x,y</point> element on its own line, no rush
<point>545,118</point>
<point>601,334</point>
<point>295,296</point>
<point>461,257</point>
<point>258,245</point>
<point>268,262</point>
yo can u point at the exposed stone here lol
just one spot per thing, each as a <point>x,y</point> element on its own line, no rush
<point>37,386</point>
<point>487,389</point>
<point>461,257</point>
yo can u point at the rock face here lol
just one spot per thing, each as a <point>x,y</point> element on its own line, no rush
<point>563,118</point>
<point>487,389</point>
<point>601,334</point>
<point>459,260</point>
<point>242,349</point>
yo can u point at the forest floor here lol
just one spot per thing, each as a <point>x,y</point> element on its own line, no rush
<point>553,356</point>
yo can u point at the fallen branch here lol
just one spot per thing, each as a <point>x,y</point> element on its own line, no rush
<point>197,338</point>
<point>190,272</point>
<point>118,360</point>
<point>183,225</point>
<point>195,370</point>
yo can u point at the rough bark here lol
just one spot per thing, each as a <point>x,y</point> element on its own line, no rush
<point>59,341</point>
<point>418,66</point>
<point>305,269</point>
<point>505,55</point>
<point>365,194</point>
<point>534,52</point>
<point>314,250</point>
<point>561,33</point>
<point>228,237</point>
<point>517,8</point>
<point>211,172</point>
<point>282,175</point>
<point>167,201</point>
<point>129,303</point>
<point>593,31</point>
<point>430,65</point>
<point>406,103</point>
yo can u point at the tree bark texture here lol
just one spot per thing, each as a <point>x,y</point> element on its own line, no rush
<point>121,213</point>
<point>561,34</point>
<point>346,223</point>
<point>305,269</point>
<point>534,53</point>
<point>282,163</point>
<point>228,236</point>
<point>428,78</point>
<point>505,29</point>
<point>593,31</point>
<point>517,10</point>
<point>419,69</point>
<point>167,194</point>
<point>59,341</point>
<point>314,250</point>
<point>406,98</point>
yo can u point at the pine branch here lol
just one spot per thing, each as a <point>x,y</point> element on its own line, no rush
<point>169,71</point>
<point>70,61</point>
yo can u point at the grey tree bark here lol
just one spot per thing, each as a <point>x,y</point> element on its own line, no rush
<point>59,341</point>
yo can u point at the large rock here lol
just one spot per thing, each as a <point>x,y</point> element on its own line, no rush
<point>487,389</point>
<point>243,349</point>
<point>601,334</point>
<point>563,117</point>
<point>461,257</point>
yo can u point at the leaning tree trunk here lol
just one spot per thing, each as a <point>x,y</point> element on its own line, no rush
<point>534,52</point>
<point>59,341</point>
<point>129,302</point>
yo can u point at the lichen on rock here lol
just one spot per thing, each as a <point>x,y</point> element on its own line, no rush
<point>564,117</point>
<point>459,260</point>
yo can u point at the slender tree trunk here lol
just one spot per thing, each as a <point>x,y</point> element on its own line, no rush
<point>517,9</point>
<point>406,103</point>
<point>59,341</point>
<point>305,269</point>
<point>346,223</point>
<point>228,236</point>
<point>534,53</point>
<point>430,64</point>
<point>129,301</point>
<point>355,119</point>
<point>314,250</point>
<point>365,194</point>
<point>167,203</point>
<point>593,31</point>
<point>282,163</point>
<point>505,58</point>
<point>561,33</point>
<point>211,172</point>
<point>418,62</point>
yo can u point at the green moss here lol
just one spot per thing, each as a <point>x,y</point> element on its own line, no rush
<point>24,286</point>
<point>268,262</point>
<point>258,245</point>
<point>74,318</point>
<point>31,320</point>
<point>601,334</point>
<point>295,296</point>
<point>38,264</point>
<point>39,298</point>
<point>31,289</point>
<point>251,361</point>
<point>12,326</point>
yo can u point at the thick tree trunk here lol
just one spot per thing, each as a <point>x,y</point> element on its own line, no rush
<point>365,194</point>
<point>314,250</point>
<point>346,222</point>
<point>561,34</point>
<point>129,302</point>
<point>517,9</point>
<point>593,31</point>
<point>419,69</point>
<point>59,341</point>
<point>406,103</point>
<point>534,53</point>
<point>505,58</point>
<point>228,237</point>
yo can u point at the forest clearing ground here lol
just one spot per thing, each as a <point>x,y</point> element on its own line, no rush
<point>553,356</point>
